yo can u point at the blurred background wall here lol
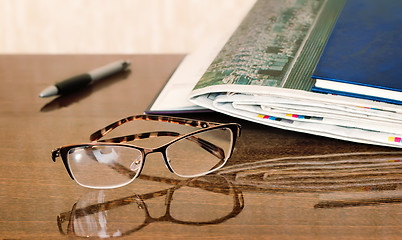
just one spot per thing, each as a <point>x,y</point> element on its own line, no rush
<point>115,26</point>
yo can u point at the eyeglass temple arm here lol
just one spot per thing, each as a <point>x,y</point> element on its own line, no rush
<point>182,121</point>
<point>209,147</point>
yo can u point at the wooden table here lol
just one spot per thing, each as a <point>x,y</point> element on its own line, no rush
<point>277,185</point>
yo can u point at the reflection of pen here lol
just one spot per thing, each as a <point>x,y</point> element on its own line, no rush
<point>80,81</point>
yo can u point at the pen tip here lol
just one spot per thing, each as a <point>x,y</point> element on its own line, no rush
<point>49,91</point>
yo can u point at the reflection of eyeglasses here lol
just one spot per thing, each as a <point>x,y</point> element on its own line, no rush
<point>109,163</point>
<point>123,216</point>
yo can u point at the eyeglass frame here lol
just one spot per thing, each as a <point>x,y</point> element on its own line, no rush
<point>117,141</point>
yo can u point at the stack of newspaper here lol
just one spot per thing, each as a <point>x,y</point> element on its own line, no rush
<point>263,74</point>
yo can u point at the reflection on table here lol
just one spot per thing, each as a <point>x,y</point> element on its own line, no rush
<point>363,178</point>
<point>103,213</point>
<point>366,177</point>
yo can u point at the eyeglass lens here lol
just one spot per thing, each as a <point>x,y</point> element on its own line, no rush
<point>200,153</point>
<point>110,166</point>
<point>104,166</point>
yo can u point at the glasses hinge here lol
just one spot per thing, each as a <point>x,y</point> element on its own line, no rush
<point>55,154</point>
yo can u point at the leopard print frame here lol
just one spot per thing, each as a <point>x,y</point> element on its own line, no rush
<point>183,121</point>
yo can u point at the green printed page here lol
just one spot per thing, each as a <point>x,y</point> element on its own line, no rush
<point>278,44</point>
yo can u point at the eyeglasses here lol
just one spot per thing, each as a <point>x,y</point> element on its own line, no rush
<point>112,163</point>
<point>100,213</point>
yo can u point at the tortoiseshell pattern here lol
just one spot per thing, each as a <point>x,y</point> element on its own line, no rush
<point>139,136</point>
<point>182,121</point>
<point>210,147</point>
<point>119,141</point>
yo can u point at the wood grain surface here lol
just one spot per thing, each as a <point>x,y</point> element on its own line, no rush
<point>277,185</point>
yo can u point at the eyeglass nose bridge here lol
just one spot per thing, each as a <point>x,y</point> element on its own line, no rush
<point>161,150</point>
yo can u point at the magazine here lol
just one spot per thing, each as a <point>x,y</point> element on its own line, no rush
<point>263,74</point>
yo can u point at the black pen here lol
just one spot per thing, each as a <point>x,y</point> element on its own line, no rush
<point>80,81</point>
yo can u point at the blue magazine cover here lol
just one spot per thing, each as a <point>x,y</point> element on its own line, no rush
<point>362,57</point>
